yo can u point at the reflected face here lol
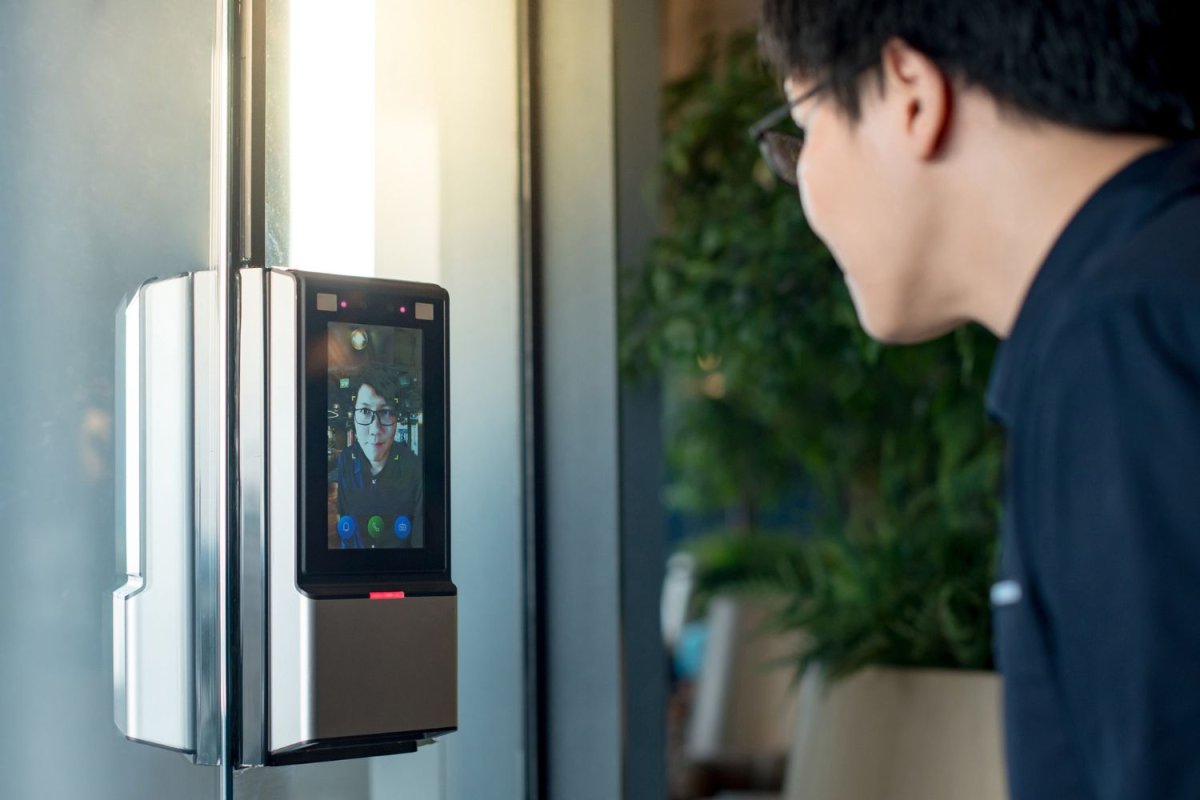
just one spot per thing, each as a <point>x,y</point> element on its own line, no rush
<point>375,438</point>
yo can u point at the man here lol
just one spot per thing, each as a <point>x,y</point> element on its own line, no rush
<point>1030,165</point>
<point>377,485</point>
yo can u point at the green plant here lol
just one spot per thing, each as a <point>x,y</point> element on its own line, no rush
<point>773,388</point>
<point>754,563</point>
<point>912,599</point>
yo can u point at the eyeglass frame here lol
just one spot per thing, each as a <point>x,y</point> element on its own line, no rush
<point>762,135</point>
<point>375,415</point>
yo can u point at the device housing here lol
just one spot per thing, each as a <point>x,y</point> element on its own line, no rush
<point>336,652</point>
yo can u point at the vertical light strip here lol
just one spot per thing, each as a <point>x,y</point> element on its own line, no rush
<point>210,303</point>
<point>332,131</point>
<point>407,158</point>
<point>218,187</point>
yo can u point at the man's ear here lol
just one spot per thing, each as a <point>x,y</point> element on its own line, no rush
<point>920,95</point>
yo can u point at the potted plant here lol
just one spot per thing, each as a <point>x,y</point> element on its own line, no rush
<point>775,392</point>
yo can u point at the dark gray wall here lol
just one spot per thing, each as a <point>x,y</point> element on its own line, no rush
<point>577,231</point>
<point>597,92</point>
<point>643,523</point>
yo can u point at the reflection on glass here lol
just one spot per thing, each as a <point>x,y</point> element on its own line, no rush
<point>332,137</point>
<point>364,142</point>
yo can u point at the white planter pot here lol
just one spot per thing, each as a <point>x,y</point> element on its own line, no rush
<point>898,734</point>
<point>745,700</point>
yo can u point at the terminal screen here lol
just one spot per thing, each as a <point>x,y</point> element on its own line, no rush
<point>375,448</point>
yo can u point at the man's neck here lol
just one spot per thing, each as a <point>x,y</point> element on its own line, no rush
<point>1022,189</point>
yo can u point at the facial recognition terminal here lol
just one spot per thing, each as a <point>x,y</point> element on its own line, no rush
<point>344,633</point>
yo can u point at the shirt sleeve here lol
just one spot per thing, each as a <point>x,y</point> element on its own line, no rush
<point>1115,538</point>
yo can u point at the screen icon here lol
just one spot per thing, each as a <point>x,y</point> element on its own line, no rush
<point>402,527</point>
<point>375,526</point>
<point>347,528</point>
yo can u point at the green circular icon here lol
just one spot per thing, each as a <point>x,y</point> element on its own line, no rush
<point>375,526</point>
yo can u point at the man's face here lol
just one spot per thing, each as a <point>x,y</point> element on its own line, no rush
<point>375,438</point>
<point>864,195</point>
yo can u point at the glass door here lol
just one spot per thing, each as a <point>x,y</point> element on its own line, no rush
<point>391,150</point>
<point>104,182</point>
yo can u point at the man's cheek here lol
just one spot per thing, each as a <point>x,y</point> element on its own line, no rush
<point>808,201</point>
<point>821,217</point>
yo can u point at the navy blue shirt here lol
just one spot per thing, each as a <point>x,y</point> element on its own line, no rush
<point>396,493</point>
<point>1097,607</point>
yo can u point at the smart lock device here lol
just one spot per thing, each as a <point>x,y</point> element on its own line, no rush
<point>343,628</point>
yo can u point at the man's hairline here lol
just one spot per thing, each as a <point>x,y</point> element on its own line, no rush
<point>371,386</point>
<point>1007,110</point>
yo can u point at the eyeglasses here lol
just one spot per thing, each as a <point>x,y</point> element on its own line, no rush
<point>781,151</point>
<point>365,416</point>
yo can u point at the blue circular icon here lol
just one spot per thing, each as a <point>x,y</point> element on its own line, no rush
<point>402,527</point>
<point>347,528</point>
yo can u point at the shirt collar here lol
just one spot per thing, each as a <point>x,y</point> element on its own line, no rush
<point>1120,206</point>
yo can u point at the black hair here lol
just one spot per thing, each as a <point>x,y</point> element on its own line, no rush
<point>1118,66</point>
<point>384,380</point>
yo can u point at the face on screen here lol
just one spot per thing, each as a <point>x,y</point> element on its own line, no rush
<point>374,425</point>
<point>376,461</point>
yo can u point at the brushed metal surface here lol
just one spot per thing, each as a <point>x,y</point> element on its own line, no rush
<point>383,666</point>
<point>129,503</point>
<point>152,612</point>
<point>287,670</point>
<point>251,581</point>
<point>339,668</point>
<point>208,638</point>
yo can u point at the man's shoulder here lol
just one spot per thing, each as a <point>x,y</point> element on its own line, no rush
<point>1137,288</point>
<point>1131,313</point>
<point>404,465</point>
<point>1161,255</point>
<point>1148,280</point>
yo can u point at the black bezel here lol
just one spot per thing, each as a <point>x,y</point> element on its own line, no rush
<point>354,573</point>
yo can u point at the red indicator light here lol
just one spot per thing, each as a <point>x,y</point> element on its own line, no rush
<point>403,309</point>
<point>344,304</point>
<point>386,595</point>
